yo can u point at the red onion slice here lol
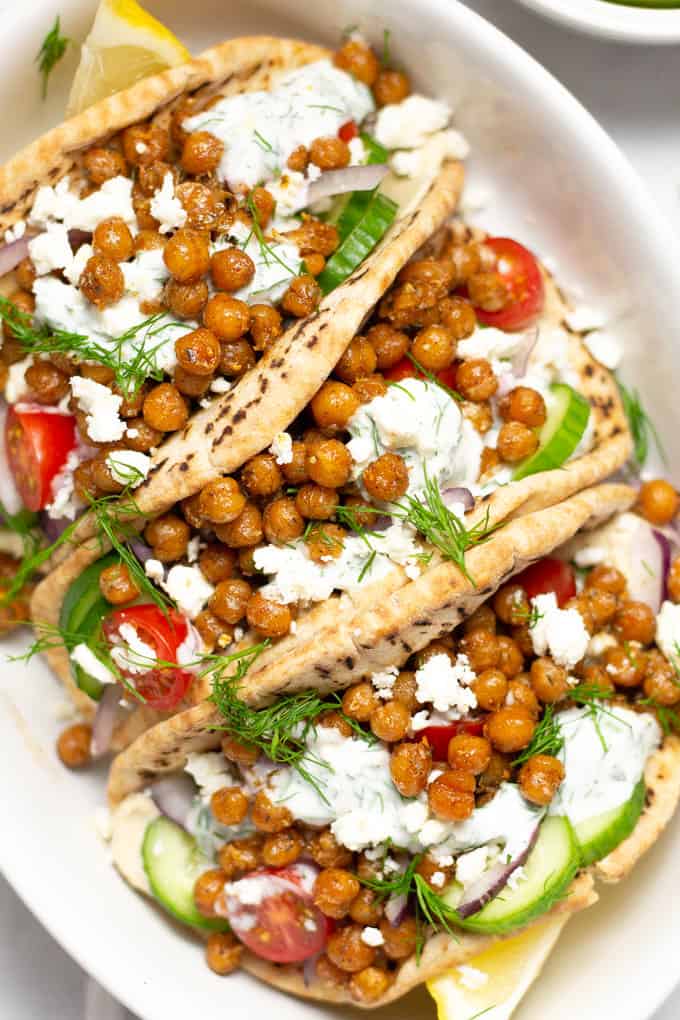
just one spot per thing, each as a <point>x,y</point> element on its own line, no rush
<point>105,719</point>
<point>13,253</point>
<point>53,527</point>
<point>478,893</point>
<point>9,495</point>
<point>666,548</point>
<point>352,178</point>
<point>520,359</point>
<point>174,796</point>
<point>142,551</point>
<point>459,495</point>
<point>647,570</point>
<point>395,909</point>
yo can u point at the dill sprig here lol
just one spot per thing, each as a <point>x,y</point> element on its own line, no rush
<point>435,380</point>
<point>130,369</point>
<point>50,53</point>
<point>547,738</point>
<point>641,425</point>
<point>266,250</point>
<point>385,60</point>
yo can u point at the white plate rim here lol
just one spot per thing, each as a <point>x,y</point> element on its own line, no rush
<point>612,21</point>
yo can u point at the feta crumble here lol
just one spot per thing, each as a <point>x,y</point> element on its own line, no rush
<point>84,657</point>
<point>51,249</point>
<point>166,207</point>
<point>668,631</point>
<point>406,125</point>
<point>101,406</point>
<point>384,682</point>
<point>188,589</point>
<point>154,570</point>
<point>16,386</point>
<point>282,448</point>
<point>132,655</point>
<point>129,467</point>
<point>59,203</point>
<point>561,633</point>
<point>372,936</point>
<point>446,685</point>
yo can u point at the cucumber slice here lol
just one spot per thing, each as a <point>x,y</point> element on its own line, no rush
<point>549,870</point>
<point>563,430</point>
<point>173,862</point>
<point>598,836</point>
<point>82,611</point>
<point>348,209</point>
<point>362,239</point>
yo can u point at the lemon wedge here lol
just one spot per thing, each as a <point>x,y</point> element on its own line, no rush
<point>492,984</point>
<point>125,44</point>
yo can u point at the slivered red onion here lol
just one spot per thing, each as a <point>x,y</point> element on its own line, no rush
<point>9,495</point>
<point>52,527</point>
<point>352,178</point>
<point>488,885</point>
<point>142,551</point>
<point>309,969</point>
<point>666,557</point>
<point>378,523</point>
<point>105,719</point>
<point>13,253</point>
<point>174,796</point>
<point>395,909</point>
<point>647,571</point>
<point>458,494</point>
<point>520,359</point>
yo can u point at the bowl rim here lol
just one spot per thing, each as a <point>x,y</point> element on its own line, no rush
<point>612,20</point>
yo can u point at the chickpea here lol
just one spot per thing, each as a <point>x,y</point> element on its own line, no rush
<point>204,206</point>
<point>348,951</point>
<point>168,536</point>
<point>366,907</point>
<point>269,817</point>
<point>144,144</point>
<point>112,239</point>
<point>625,666</point>
<point>488,291</point>
<point>360,701</point>
<point>334,890</point>
<point>261,476</point>
<point>214,633</point>
<point>483,618</point>
<point>549,681</point>
<point>193,386</point>
<point>208,887</point>
<point>230,599</point>
<point>47,383</point>
<point>511,604</point>
<point>661,682</point>
<point>333,405</point>
<point>282,848</point>
<point>635,621</point>
<point>238,752</point>
<point>332,720</point>
<point>201,153</point>
<point>325,542</point>
<point>140,436</point>
<point>525,405</point>
<point>217,562</point>
<point>458,316</point>
<point>386,479</point>
<point>281,521</point>
<point>223,952</point>
<point>241,855</point>
<point>237,357</point>
<point>324,849</point>
<point>221,501</point>
<point>229,805</point>
<point>231,269</point>
<point>244,531</point>
<point>520,693</point>
<point>476,380</point>
<point>116,584</point>
<point>329,153</point>
<point>359,360</point>
<point>434,348</point>
<point>435,648</point>
<point>602,605</point>
<point>191,512</point>
<point>359,60</point>
<point>516,442</point>
<point>481,648</point>
<point>497,772</point>
<point>468,753</point>
<point>511,728</point>
<point>390,344</point>
<point>165,408</point>
<point>370,387</point>
<point>490,688</point>
<point>672,581</point>
<point>226,316</point>
<point>25,274</point>
<point>328,974</point>
<point>302,296</point>
<point>390,721</point>
<point>263,203</point>
<point>313,237</point>
<point>265,326</point>
<point>329,464</point>
<point>198,352</point>
<point>370,984</point>
<point>187,256</point>
<point>269,618</point>
<point>74,746</point>
<point>148,240</point>
<point>399,939</point>
<point>451,796</point>
<point>540,777</point>
<point>404,689</point>
<point>391,87</point>
<point>102,281</point>
<point>658,501</point>
<point>316,502</point>
<point>103,164</point>
<point>410,766</point>
<point>510,659</point>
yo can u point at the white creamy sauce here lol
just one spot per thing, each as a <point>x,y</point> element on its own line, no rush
<point>421,422</point>
<point>166,207</point>
<point>211,771</point>
<point>406,125</point>
<point>260,130</point>
<point>602,777</point>
<point>668,632</point>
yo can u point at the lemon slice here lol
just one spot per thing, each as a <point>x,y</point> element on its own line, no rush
<point>125,44</point>
<point>492,984</point>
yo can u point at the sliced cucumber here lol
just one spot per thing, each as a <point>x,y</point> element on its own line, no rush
<point>348,209</point>
<point>563,430</point>
<point>548,872</point>
<point>81,614</point>
<point>173,862</point>
<point>359,242</point>
<point>598,836</point>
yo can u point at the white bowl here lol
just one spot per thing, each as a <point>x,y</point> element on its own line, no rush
<point>557,183</point>
<point>612,20</point>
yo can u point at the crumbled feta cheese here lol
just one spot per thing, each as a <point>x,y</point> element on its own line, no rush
<point>64,502</point>
<point>426,160</point>
<point>471,977</point>
<point>84,657</point>
<point>446,685</point>
<point>406,125</point>
<point>74,268</point>
<point>437,878</point>
<point>282,448</point>
<point>145,276</point>
<point>16,232</point>
<point>604,347</point>
<point>210,770</point>
<point>101,406</point>
<point>132,655</point>
<point>372,936</point>
<point>188,589</point>
<point>129,467</point>
<point>599,643</point>
<point>491,343</point>
<point>472,865</point>
<point>51,249</point>
<point>668,631</point>
<point>16,386</point>
<point>193,548</point>
<point>357,151</point>
<point>220,385</point>
<point>384,682</point>
<point>113,198</point>
<point>414,815</point>
<point>560,633</point>
<point>290,192</point>
<point>154,570</point>
<point>166,207</point>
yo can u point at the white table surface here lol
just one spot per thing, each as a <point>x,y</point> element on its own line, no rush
<point>633,92</point>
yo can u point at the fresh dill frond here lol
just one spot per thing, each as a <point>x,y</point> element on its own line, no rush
<point>641,426</point>
<point>385,60</point>
<point>262,142</point>
<point>266,250</point>
<point>547,738</point>
<point>435,380</point>
<point>367,565</point>
<point>529,616</point>
<point>324,106</point>
<point>50,53</point>
<point>403,389</point>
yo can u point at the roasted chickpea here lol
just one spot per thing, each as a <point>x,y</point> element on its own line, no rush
<point>390,345</point>
<point>116,584</point>
<point>281,521</point>
<point>313,237</point>
<point>510,659</point>
<point>635,621</point>
<point>334,890</point>
<point>204,206</point>
<point>214,633</point>
<point>370,387</point>
<point>238,752</point>
<point>488,291</point>
<point>198,352</point>
<point>661,683</point>
<point>390,721</point>
<point>261,476</point>
<point>510,728</point>
<point>476,380</point>
<point>490,688</point>
<point>325,542</point>
<point>391,86</point>
<point>458,316</point>
<point>347,950</point>
<point>359,60</point>
<point>370,984</point>
<point>511,604</point>
<point>521,693</point>
<point>270,618</point>
<point>237,357</point>
<point>168,537</point>
<point>333,405</point>
<point>193,386</point>
<point>316,502</point>
<point>221,501</point>
<point>302,296</point>
<point>229,805</point>
<point>386,479</point>
<point>223,952</point>
<point>231,269</point>
<point>328,974</point>
<point>539,778</point>
<point>404,689</point>
<point>516,442</point>
<point>399,939</point>
<point>226,316</point>
<point>102,281</point>
<point>497,772</point>
<point>451,796</point>
<point>549,681</point>
<point>625,666</point>
<point>103,164</point>
<point>483,618</point>
<point>187,256</point>
<point>658,501</point>
<point>262,201</point>
<point>265,326</point>
<point>269,817</point>
<point>74,746</point>
<point>359,360</point>
<point>525,405</point>
<point>112,238</point>
<point>47,383</point>
<point>329,153</point>
<point>244,531</point>
<point>435,648</point>
<point>366,907</point>
<point>602,605</point>
<point>360,701</point>
<point>434,347</point>
<point>25,274</point>
<point>410,766</point>
<point>329,463</point>
<point>230,599</point>
<point>201,153</point>
<point>140,436</point>
<point>672,581</point>
<point>282,848</point>
<point>144,144</point>
<point>208,887</point>
<point>468,753</point>
<point>481,648</point>
<point>324,849</point>
<point>241,855</point>
<point>165,409</point>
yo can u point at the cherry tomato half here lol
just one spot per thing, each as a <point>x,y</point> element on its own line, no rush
<point>162,688</point>
<point>548,574</point>
<point>283,925</point>
<point>524,282</point>
<point>405,369</point>
<point>37,443</point>
<point>348,131</point>
<point>438,736</point>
